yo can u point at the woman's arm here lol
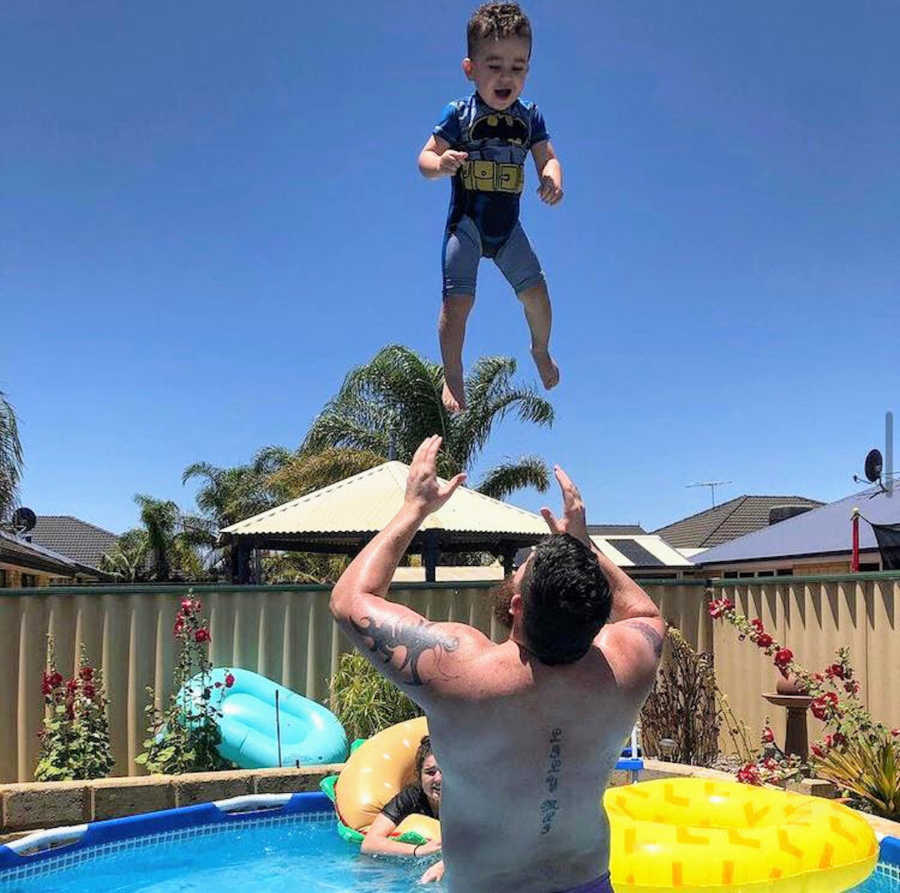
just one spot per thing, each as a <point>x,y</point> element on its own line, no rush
<point>378,841</point>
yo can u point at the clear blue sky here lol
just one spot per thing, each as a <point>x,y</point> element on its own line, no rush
<point>211,211</point>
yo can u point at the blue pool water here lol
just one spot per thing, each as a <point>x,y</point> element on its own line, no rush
<point>270,854</point>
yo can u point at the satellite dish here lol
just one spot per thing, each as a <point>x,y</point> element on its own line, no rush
<point>874,464</point>
<point>23,520</point>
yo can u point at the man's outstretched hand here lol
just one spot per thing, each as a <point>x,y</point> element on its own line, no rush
<point>573,516</point>
<point>424,491</point>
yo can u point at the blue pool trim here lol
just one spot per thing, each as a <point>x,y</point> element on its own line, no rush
<point>147,823</point>
<point>889,851</point>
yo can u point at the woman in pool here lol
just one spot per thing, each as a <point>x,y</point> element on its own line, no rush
<point>423,796</point>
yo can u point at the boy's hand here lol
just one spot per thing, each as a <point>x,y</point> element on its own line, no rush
<point>550,189</point>
<point>451,161</point>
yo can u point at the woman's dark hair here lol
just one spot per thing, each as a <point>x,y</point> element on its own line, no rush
<point>565,600</point>
<point>422,753</point>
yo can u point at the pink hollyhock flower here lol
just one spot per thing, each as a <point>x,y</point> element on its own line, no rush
<point>817,751</point>
<point>56,679</point>
<point>86,673</point>
<point>229,680</point>
<point>88,690</point>
<point>782,659</point>
<point>756,623</point>
<point>749,774</point>
<point>768,736</point>
<point>72,685</point>
<point>819,708</point>
<point>835,671</point>
<point>201,635</point>
<point>895,733</point>
<point>764,640</point>
<point>178,628</point>
<point>770,764</point>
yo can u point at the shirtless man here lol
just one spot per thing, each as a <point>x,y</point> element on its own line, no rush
<point>526,732</point>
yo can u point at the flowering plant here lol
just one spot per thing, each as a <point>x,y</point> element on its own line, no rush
<point>75,733</point>
<point>184,737</point>
<point>852,739</point>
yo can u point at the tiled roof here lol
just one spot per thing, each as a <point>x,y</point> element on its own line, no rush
<point>824,530</point>
<point>74,538</point>
<point>727,521</point>
<point>21,553</point>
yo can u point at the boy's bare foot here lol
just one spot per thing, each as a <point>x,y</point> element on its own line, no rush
<point>547,369</point>
<point>454,396</point>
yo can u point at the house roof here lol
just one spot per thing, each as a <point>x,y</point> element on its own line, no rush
<point>17,551</point>
<point>644,551</point>
<point>821,531</point>
<point>727,521</point>
<point>362,505</point>
<point>613,529</point>
<point>76,539</point>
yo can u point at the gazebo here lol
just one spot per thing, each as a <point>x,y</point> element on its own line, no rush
<point>343,517</point>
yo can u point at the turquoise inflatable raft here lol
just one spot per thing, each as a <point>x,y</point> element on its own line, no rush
<point>310,733</point>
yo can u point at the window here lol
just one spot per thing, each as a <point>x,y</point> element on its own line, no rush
<point>765,573</point>
<point>784,572</point>
<point>3,582</point>
<point>29,581</point>
<point>865,566</point>
<point>744,574</point>
<point>730,575</point>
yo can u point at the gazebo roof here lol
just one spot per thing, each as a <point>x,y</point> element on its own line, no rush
<point>356,508</point>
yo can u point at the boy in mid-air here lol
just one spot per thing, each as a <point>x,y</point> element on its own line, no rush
<point>481,142</point>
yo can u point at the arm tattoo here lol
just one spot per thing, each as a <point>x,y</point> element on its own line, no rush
<point>416,639</point>
<point>550,806</point>
<point>654,639</point>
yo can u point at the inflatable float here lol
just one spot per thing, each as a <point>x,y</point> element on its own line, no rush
<point>692,835</point>
<point>309,732</point>
<point>378,769</point>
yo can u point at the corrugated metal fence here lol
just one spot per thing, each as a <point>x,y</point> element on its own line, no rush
<point>287,634</point>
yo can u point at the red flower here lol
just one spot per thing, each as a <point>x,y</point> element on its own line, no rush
<point>817,751</point>
<point>783,658</point>
<point>88,690</point>
<point>835,740</point>
<point>820,707</point>
<point>178,629</point>
<point>831,697</point>
<point>56,679</point>
<point>764,640</point>
<point>757,624</point>
<point>835,671</point>
<point>851,687</point>
<point>47,685</point>
<point>86,673</point>
<point>717,607</point>
<point>749,774</point>
<point>72,685</point>
<point>895,733</point>
<point>201,635</point>
<point>768,736</point>
<point>189,605</point>
<point>770,764</point>
<point>229,680</point>
<point>818,677</point>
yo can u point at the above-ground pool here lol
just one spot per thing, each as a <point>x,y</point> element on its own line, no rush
<point>294,845</point>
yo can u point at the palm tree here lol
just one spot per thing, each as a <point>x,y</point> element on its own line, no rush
<point>10,456</point>
<point>172,540</point>
<point>388,406</point>
<point>232,494</point>
<point>128,558</point>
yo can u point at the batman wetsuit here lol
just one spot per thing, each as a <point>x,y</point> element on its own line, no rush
<point>484,204</point>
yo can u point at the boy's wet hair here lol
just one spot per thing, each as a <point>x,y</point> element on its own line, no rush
<point>565,600</point>
<point>496,21</point>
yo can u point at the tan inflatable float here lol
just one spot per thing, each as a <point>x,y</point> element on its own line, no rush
<point>377,771</point>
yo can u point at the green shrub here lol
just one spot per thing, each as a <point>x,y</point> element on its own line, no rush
<point>364,701</point>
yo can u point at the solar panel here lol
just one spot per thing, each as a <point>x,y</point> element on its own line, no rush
<point>635,552</point>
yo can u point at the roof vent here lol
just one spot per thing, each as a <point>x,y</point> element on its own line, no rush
<point>783,512</point>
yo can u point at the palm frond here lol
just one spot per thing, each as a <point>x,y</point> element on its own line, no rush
<point>11,460</point>
<point>529,471</point>
<point>309,472</point>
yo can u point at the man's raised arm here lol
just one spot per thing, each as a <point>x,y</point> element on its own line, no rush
<point>400,643</point>
<point>631,608</point>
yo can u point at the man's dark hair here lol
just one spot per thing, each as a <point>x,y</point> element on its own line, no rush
<point>566,600</point>
<point>496,21</point>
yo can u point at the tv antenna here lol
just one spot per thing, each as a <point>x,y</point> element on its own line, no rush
<point>712,487</point>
